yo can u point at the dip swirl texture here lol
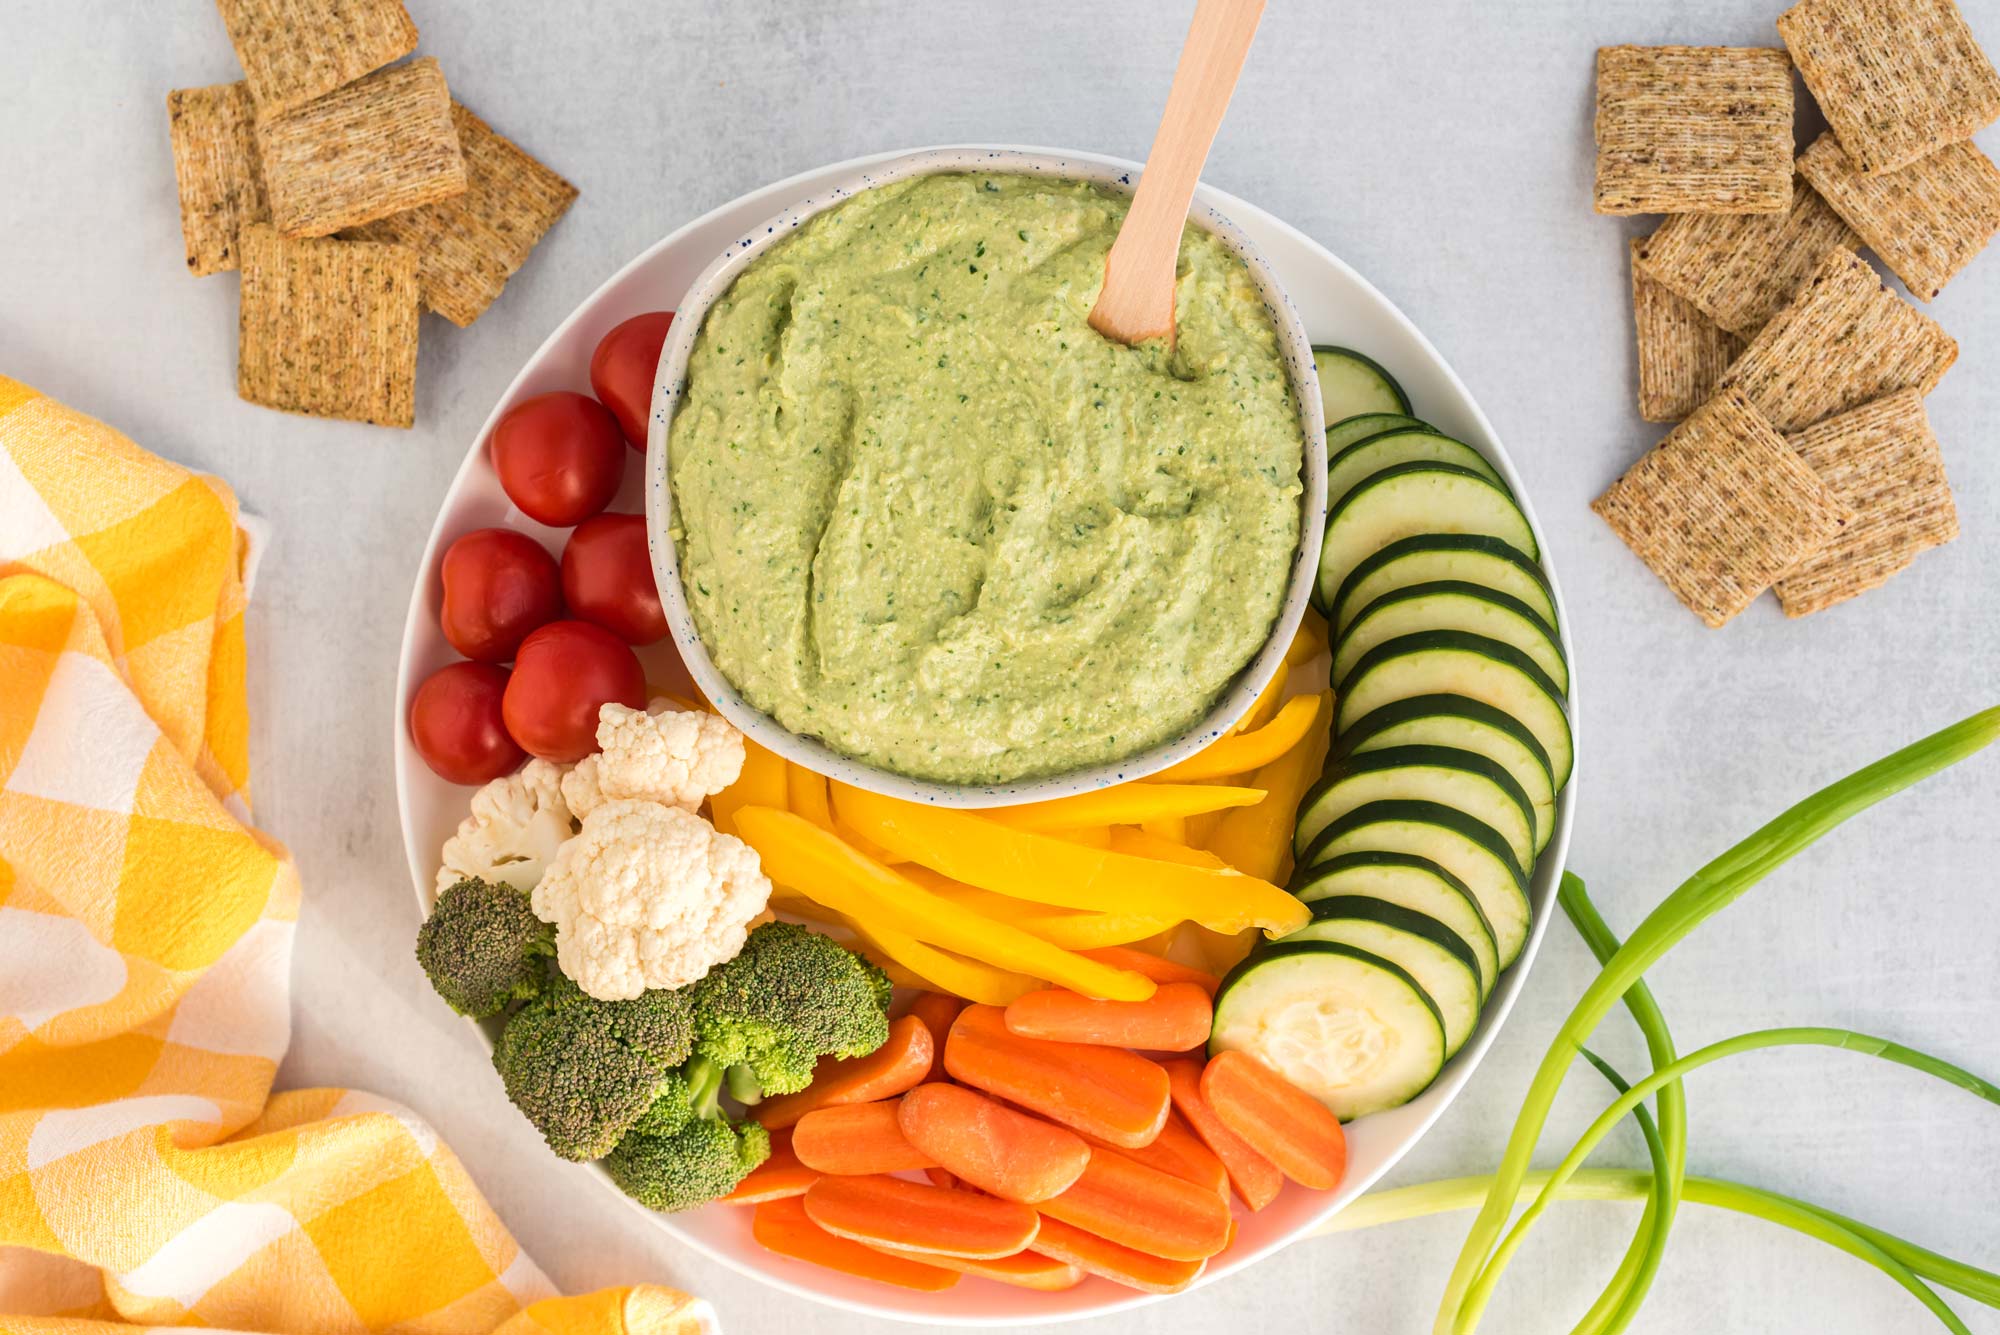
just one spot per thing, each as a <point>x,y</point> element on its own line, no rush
<point>926,514</point>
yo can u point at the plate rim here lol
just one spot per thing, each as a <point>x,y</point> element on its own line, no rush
<point>1547,874</point>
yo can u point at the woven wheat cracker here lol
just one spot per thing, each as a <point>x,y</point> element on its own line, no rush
<point>328,328</point>
<point>293,51</point>
<point>373,148</point>
<point>1682,353</point>
<point>1897,79</point>
<point>1882,462</point>
<point>1927,220</point>
<point>1740,268</point>
<point>216,168</point>
<point>468,246</point>
<point>1693,129</point>
<point>1842,340</point>
<point>1721,508</point>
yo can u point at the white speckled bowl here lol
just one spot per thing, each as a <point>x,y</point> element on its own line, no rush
<point>815,755</point>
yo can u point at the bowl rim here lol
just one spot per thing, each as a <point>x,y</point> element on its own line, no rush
<point>670,382</point>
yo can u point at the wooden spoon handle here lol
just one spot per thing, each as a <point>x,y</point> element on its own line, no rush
<point>1137,302</point>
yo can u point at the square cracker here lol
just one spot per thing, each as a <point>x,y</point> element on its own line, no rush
<point>468,246</point>
<point>1897,79</point>
<point>221,182</point>
<point>1740,268</point>
<point>293,51</point>
<point>1682,353</point>
<point>1693,129</point>
<point>1721,508</point>
<point>1926,221</point>
<point>1882,462</point>
<point>1842,340</point>
<point>362,152</point>
<point>328,328</point>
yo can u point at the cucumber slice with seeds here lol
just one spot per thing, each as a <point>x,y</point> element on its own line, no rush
<point>1421,946</point>
<point>1410,882</point>
<point>1405,500</point>
<point>1350,383</point>
<point>1348,1027</point>
<point>1452,605</point>
<point>1462,780</point>
<point>1459,557</point>
<point>1467,725</point>
<point>1367,457</point>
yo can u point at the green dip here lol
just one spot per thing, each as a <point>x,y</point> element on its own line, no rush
<point>926,514</point>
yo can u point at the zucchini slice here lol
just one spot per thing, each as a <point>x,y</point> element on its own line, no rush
<point>1420,946</point>
<point>1465,558</point>
<point>1348,1027</point>
<point>1404,500</point>
<point>1452,605</point>
<point>1467,848</point>
<point>1463,780</point>
<point>1341,434</point>
<point>1408,446</point>
<point>1350,383</point>
<point>1452,662</point>
<point>1467,725</point>
<point>1410,882</point>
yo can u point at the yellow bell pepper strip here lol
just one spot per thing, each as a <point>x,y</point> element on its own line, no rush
<point>797,852</point>
<point>1266,704</point>
<point>806,792</point>
<point>1309,642</point>
<point>1257,841</point>
<point>1141,844</point>
<point>1173,829</point>
<point>1048,870</point>
<point>1240,754</point>
<point>1088,931</point>
<point>970,897</point>
<point>762,783</point>
<point>1122,804</point>
<point>941,971</point>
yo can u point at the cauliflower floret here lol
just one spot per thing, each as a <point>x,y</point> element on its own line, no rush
<point>661,753</point>
<point>648,895</point>
<point>517,823</point>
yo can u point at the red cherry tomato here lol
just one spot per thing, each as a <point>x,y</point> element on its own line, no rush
<point>559,457</point>
<point>622,371</point>
<point>607,577</point>
<point>562,674</point>
<point>498,586</point>
<point>456,725</point>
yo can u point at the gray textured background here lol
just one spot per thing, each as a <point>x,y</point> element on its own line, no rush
<point>1441,148</point>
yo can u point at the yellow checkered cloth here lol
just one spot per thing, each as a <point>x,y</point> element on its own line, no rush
<point>147,1174</point>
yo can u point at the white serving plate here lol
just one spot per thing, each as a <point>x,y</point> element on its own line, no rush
<point>1336,305</point>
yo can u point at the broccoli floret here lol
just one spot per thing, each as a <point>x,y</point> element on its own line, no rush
<point>691,1092</point>
<point>484,948</point>
<point>704,1159</point>
<point>791,997</point>
<point>584,1071</point>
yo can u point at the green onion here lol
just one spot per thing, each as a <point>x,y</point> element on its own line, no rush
<point>1708,891</point>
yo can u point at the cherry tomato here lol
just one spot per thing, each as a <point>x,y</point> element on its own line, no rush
<point>562,674</point>
<point>498,586</point>
<point>455,722</point>
<point>559,457</point>
<point>622,371</point>
<point>607,577</point>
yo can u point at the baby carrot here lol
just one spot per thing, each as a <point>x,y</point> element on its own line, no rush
<point>1178,1151</point>
<point>1119,1264</point>
<point>1276,1118</point>
<point>1024,1270</point>
<point>937,1010</point>
<point>777,1177</point>
<point>1124,1200</point>
<point>784,1227</point>
<point>1256,1179</point>
<point>989,1145</point>
<point>1175,1018</point>
<point>918,1217</point>
<point>941,1177</point>
<point>1156,967</point>
<point>897,1065</point>
<point>1109,1093</point>
<point>856,1138</point>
